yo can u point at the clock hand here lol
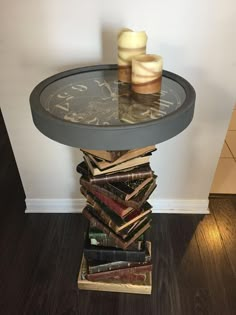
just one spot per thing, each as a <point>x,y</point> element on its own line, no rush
<point>107,85</point>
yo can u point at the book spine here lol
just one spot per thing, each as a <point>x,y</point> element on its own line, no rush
<point>97,235</point>
<point>125,274</point>
<point>113,266</point>
<point>113,255</point>
<point>109,242</point>
<point>98,224</point>
<point>119,177</point>
<point>107,256</point>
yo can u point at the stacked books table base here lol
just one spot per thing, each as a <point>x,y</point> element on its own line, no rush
<point>117,252</point>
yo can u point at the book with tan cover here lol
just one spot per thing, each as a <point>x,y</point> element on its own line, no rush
<point>129,155</point>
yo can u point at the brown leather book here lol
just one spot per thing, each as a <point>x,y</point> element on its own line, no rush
<point>141,172</point>
<point>129,189</point>
<point>126,275</point>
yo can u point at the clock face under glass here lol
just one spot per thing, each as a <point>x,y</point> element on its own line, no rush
<point>98,98</point>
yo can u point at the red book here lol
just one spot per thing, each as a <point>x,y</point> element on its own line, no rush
<point>119,209</point>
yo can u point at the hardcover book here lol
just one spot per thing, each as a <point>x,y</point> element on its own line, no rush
<point>111,254</point>
<point>116,168</point>
<point>97,235</point>
<point>90,214</point>
<point>127,190</point>
<point>136,173</point>
<point>119,209</point>
<point>103,240</point>
<point>124,275</point>
<point>130,155</point>
<point>101,266</point>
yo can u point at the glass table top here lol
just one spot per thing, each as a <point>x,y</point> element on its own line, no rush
<point>98,98</point>
<point>89,108</point>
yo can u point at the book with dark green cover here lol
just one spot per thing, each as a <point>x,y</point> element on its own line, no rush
<point>103,240</point>
<point>95,266</point>
<point>104,254</point>
<point>97,234</point>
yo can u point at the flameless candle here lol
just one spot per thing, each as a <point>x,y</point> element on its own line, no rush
<point>130,44</point>
<point>146,73</point>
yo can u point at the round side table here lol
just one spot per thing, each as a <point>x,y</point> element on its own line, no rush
<point>117,130</point>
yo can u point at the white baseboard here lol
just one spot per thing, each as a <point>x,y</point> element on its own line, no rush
<point>76,205</point>
<point>54,205</point>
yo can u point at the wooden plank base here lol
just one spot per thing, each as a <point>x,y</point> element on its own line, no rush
<point>84,284</point>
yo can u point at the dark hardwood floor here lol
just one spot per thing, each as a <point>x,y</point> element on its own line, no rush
<point>194,260</point>
<point>194,266</point>
<point>11,189</point>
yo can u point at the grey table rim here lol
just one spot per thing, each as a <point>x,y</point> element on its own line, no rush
<point>111,137</point>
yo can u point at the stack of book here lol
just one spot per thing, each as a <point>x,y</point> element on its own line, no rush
<point>117,253</point>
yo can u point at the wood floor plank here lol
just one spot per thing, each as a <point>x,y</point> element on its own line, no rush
<point>194,291</point>
<point>165,284</point>
<point>225,216</point>
<point>219,274</point>
<point>54,278</point>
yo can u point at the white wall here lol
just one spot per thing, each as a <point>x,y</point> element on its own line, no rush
<point>41,38</point>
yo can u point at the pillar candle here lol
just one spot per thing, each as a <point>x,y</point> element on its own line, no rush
<point>146,73</point>
<point>130,44</point>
